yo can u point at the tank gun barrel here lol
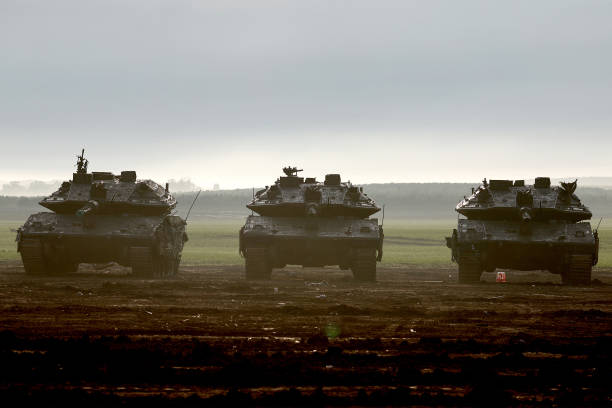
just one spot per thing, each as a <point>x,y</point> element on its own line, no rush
<point>90,208</point>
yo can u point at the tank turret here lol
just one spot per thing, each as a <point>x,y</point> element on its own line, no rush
<point>294,196</point>
<point>114,194</point>
<point>504,199</point>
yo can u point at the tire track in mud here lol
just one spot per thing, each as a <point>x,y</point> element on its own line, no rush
<point>308,337</point>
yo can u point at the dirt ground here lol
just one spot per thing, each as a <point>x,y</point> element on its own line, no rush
<point>307,337</point>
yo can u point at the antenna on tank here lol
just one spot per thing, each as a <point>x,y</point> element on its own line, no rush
<point>194,201</point>
<point>82,162</point>
<point>382,223</point>
<point>598,224</point>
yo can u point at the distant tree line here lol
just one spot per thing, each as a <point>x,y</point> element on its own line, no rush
<point>402,200</point>
<point>37,188</point>
<point>31,188</point>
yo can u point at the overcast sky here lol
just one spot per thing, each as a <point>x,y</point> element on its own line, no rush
<point>228,92</point>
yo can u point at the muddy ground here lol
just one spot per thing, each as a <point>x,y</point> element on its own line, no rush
<point>308,337</point>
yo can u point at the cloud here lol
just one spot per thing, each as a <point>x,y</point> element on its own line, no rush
<point>141,82</point>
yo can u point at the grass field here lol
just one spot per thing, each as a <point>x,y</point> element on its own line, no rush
<point>415,243</point>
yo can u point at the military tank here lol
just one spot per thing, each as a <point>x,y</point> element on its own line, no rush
<point>99,218</point>
<point>301,221</point>
<point>525,227</point>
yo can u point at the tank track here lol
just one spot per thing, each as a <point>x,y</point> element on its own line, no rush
<point>470,267</point>
<point>578,270</point>
<point>36,263</point>
<point>257,264</point>
<point>146,264</point>
<point>364,264</point>
<point>32,256</point>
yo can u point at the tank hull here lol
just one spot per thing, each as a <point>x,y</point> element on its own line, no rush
<point>313,241</point>
<point>56,243</point>
<point>559,247</point>
<point>299,209</point>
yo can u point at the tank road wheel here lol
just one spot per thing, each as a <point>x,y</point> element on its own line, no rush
<point>143,263</point>
<point>470,268</point>
<point>168,265</point>
<point>62,268</point>
<point>36,263</point>
<point>257,265</point>
<point>32,256</point>
<point>72,267</point>
<point>364,264</point>
<point>578,270</point>
<point>174,266</point>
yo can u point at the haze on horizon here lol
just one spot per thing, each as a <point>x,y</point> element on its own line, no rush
<point>229,92</point>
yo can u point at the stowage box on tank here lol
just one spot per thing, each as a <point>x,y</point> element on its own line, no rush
<point>305,222</point>
<point>100,217</point>
<point>524,227</point>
